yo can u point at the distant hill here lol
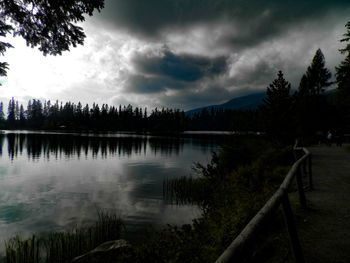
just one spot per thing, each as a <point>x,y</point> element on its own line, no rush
<point>248,102</point>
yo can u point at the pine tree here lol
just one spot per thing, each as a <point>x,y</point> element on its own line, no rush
<point>343,80</point>
<point>11,114</point>
<point>317,75</point>
<point>2,115</point>
<point>16,110</point>
<point>312,109</point>
<point>277,109</point>
<point>21,114</point>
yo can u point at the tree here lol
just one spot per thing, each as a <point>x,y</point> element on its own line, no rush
<point>312,109</point>
<point>277,109</point>
<point>11,114</point>
<point>343,80</point>
<point>2,115</point>
<point>317,75</point>
<point>49,24</point>
<point>22,117</point>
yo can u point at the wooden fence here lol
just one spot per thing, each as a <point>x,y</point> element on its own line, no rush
<point>302,166</point>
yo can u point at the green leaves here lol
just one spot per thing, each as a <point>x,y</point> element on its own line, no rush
<point>343,81</point>
<point>48,24</point>
<point>346,39</point>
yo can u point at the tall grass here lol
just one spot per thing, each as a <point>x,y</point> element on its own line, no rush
<point>62,247</point>
<point>185,190</point>
<point>18,250</point>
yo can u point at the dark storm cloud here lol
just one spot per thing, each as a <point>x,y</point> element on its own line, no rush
<point>158,71</point>
<point>257,75</point>
<point>193,98</point>
<point>137,83</point>
<point>219,49</point>
<point>180,67</point>
<point>255,19</point>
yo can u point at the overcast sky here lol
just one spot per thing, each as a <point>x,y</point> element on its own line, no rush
<point>180,53</point>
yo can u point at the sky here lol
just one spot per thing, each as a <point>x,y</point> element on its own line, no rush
<point>180,53</point>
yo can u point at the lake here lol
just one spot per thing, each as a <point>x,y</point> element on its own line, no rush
<point>53,182</point>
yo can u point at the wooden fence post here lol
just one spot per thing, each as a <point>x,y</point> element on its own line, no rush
<point>293,235</point>
<point>310,172</point>
<point>302,198</point>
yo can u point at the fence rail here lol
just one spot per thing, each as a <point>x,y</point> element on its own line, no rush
<point>237,248</point>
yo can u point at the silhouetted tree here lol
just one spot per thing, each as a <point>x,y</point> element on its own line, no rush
<point>50,24</point>
<point>277,109</point>
<point>317,75</point>
<point>71,116</point>
<point>219,119</point>
<point>22,117</point>
<point>343,81</point>
<point>4,30</point>
<point>2,115</point>
<point>312,108</point>
<point>11,113</point>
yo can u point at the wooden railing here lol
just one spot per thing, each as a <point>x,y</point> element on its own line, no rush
<point>236,250</point>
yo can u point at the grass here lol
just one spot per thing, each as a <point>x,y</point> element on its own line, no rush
<point>62,247</point>
<point>18,250</point>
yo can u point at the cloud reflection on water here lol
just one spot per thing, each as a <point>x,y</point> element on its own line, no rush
<point>51,182</point>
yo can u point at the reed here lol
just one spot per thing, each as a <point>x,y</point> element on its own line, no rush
<point>61,247</point>
<point>19,250</point>
<point>185,190</point>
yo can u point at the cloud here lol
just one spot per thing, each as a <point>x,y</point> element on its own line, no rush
<point>141,84</point>
<point>158,71</point>
<point>252,20</point>
<point>181,67</point>
<point>182,53</point>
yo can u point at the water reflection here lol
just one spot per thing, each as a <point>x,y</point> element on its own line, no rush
<point>68,145</point>
<point>50,182</point>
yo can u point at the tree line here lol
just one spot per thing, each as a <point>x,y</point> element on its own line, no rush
<point>72,116</point>
<point>309,111</point>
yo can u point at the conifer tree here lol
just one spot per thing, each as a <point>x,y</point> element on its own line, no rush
<point>343,80</point>
<point>277,109</point>
<point>312,109</point>
<point>317,74</point>
<point>2,115</point>
<point>11,114</point>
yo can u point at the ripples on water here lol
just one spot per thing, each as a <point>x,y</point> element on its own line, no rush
<point>50,182</point>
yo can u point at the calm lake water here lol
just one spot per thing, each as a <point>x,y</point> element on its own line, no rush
<point>51,182</point>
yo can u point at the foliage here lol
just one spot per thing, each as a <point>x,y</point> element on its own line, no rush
<point>231,197</point>
<point>71,116</point>
<point>343,81</point>
<point>317,76</point>
<point>18,250</point>
<point>313,111</point>
<point>346,39</point>
<point>218,119</point>
<point>51,25</point>
<point>277,109</point>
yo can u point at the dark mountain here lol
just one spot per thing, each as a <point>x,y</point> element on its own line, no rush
<point>248,102</point>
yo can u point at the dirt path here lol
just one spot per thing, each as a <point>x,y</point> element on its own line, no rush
<point>324,228</point>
